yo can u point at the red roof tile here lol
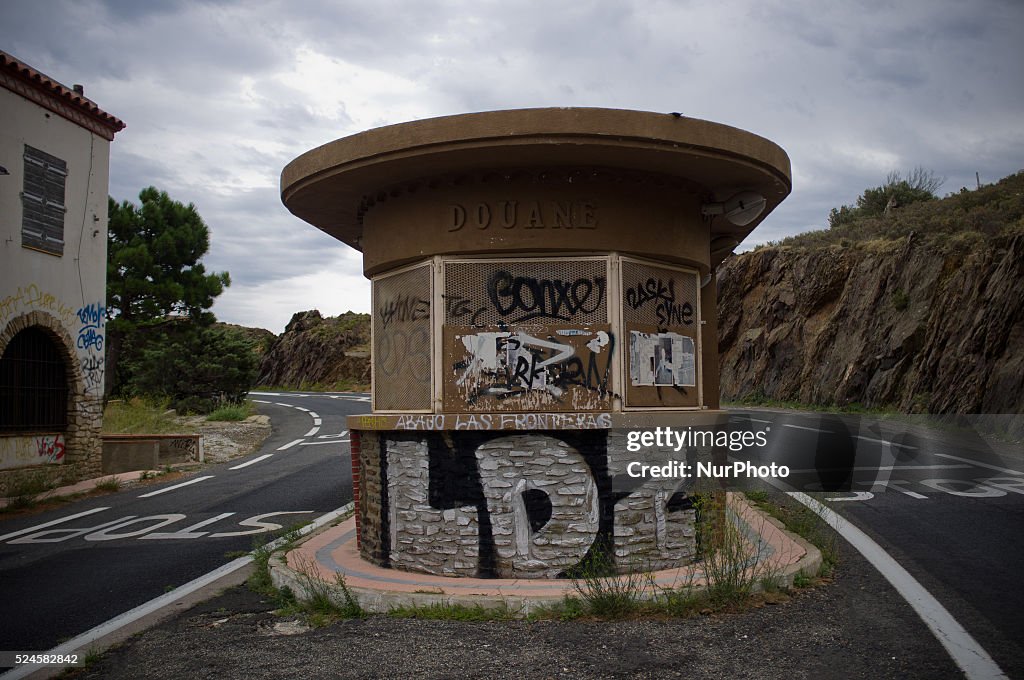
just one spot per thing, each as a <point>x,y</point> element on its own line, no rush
<point>40,88</point>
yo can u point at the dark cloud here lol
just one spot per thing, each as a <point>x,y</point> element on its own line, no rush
<point>220,95</point>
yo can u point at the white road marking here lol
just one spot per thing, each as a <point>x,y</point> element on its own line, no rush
<point>329,441</point>
<point>187,532</point>
<point>289,445</point>
<point>315,415</point>
<point>810,429</point>
<point>884,441</point>
<point>758,420</point>
<point>301,408</point>
<point>261,401</point>
<point>857,496</point>
<point>317,422</point>
<point>316,428</point>
<point>972,659</point>
<point>882,485</point>
<point>251,462</point>
<point>176,486</point>
<point>51,523</point>
<point>86,640</point>
<point>980,464</point>
<point>285,405</point>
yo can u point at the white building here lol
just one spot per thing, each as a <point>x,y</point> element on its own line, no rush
<point>54,165</point>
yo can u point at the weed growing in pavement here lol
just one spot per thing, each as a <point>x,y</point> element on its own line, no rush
<point>109,484</point>
<point>604,592</point>
<point>323,602</point>
<point>803,521</point>
<point>447,611</point>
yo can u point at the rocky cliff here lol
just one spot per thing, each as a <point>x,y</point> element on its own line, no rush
<point>921,311</point>
<point>331,353</point>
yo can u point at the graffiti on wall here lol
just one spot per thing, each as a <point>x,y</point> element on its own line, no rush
<point>401,336</point>
<point>92,321</point>
<point>32,297</point>
<point>525,506</point>
<point>659,295</point>
<point>92,317</point>
<point>49,448</point>
<point>561,369</point>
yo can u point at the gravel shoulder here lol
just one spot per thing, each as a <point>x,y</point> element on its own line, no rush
<point>853,627</point>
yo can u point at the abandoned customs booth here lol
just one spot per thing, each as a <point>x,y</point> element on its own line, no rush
<point>543,282</point>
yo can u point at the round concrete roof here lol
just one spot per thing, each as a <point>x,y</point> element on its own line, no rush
<point>327,185</point>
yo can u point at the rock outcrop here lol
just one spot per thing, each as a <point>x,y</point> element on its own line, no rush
<point>933,325</point>
<point>331,353</point>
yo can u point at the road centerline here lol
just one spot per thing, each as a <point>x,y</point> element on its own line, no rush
<point>176,486</point>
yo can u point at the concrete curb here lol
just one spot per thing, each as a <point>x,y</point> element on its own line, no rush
<point>303,569</point>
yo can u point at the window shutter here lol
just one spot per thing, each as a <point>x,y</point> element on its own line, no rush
<point>42,201</point>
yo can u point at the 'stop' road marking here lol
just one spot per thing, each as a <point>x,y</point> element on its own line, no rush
<point>50,524</point>
<point>980,464</point>
<point>176,486</point>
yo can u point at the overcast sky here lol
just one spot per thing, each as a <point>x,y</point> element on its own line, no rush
<point>219,96</point>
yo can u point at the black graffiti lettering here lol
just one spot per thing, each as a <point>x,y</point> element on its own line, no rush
<point>544,298</point>
<point>403,308</point>
<point>458,307</point>
<point>674,315</point>
<point>651,289</point>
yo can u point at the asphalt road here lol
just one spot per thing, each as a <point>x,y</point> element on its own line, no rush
<point>948,506</point>
<point>124,549</point>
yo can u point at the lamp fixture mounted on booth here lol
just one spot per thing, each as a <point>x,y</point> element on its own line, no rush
<point>741,209</point>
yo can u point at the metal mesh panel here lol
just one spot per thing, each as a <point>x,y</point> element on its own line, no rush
<point>526,291</point>
<point>666,298</point>
<point>401,340</point>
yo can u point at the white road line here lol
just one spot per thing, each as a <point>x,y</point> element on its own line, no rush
<point>289,445</point>
<point>261,401</point>
<point>810,429</point>
<point>316,428</point>
<point>314,414</point>
<point>251,462</point>
<point>87,639</point>
<point>979,464</point>
<point>301,408</point>
<point>176,486</point>
<point>277,403</point>
<point>329,441</point>
<point>317,422</point>
<point>758,420</point>
<point>883,441</point>
<point>972,659</point>
<point>52,523</point>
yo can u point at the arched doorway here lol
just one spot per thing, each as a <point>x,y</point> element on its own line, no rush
<point>33,383</point>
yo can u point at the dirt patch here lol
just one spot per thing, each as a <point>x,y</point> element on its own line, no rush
<point>225,440</point>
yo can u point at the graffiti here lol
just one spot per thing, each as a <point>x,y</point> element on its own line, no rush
<point>506,364</point>
<point>526,215</point>
<point>663,295</point>
<point>93,315</point>
<point>90,335</point>
<point>405,355</point>
<point>403,308</point>
<point>495,421</point>
<point>50,448</point>
<point>373,422</point>
<point>93,371</point>
<point>544,298</point>
<point>32,297</point>
<point>523,506</point>
<point>90,338</point>
<point>458,307</point>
